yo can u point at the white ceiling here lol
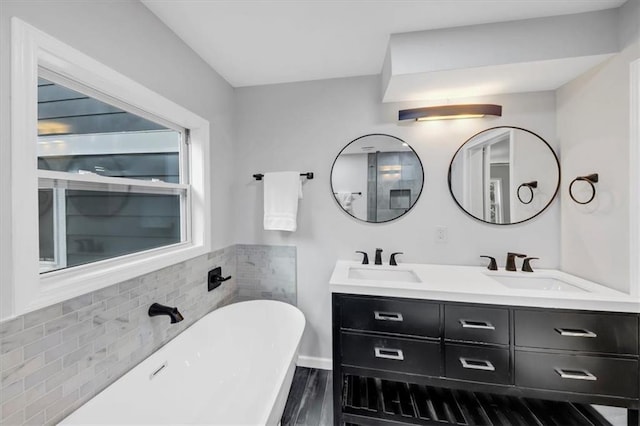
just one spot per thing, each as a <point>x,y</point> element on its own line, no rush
<point>256,42</point>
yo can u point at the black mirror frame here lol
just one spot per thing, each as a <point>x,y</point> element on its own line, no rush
<point>553,197</point>
<point>383,221</point>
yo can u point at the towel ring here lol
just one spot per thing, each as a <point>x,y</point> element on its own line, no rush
<point>590,179</point>
<point>530,185</point>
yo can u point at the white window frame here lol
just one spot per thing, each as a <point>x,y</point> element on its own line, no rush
<point>32,49</point>
<point>59,229</point>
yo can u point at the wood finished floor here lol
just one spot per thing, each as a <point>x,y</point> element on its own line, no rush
<point>310,399</point>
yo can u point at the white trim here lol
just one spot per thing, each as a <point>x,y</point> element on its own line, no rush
<point>315,362</point>
<point>60,228</point>
<point>634,179</point>
<point>64,284</point>
<point>32,49</point>
<point>24,202</point>
<point>94,181</point>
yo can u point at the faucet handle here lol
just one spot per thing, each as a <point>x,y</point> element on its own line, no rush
<point>392,261</point>
<point>493,266</point>
<point>526,265</point>
<point>365,258</point>
<point>215,278</point>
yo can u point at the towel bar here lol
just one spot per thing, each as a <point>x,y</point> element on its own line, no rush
<point>308,175</point>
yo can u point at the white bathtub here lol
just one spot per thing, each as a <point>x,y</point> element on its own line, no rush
<point>234,366</point>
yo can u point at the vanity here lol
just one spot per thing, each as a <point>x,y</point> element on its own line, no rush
<point>445,344</point>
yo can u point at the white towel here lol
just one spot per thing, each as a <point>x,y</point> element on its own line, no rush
<point>345,199</point>
<point>281,193</point>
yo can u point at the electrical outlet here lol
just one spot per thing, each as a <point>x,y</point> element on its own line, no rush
<point>442,234</point>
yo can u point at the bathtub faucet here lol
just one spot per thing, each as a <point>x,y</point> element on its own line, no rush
<point>173,313</point>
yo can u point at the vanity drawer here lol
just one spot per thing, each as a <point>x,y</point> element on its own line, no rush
<point>409,317</point>
<point>577,373</point>
<point>391,354</point>
<point>590,332</point>
<point>480,364</point>
<point>476,324</point>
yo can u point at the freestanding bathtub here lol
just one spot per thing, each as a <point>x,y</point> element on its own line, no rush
<point>233,366</point>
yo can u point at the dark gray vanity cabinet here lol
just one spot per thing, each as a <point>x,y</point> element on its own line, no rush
<point>391,353</point>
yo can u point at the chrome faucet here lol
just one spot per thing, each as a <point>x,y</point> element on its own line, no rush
<point>511,261</point>
<point>173,313</point>
<point>378,260</point>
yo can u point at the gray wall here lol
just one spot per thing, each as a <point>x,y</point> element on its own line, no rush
<point>126,36</point>
<point>593,130</point>
<point>303,126</point>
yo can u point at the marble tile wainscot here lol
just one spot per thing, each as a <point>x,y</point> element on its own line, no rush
<point>55,359</point>
<point>267,272</point>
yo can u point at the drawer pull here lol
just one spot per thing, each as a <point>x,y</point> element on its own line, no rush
<point>482,325</point>
<point>575,332</point>
<point>389,354</point>
<point>477,364</point>
<point>387,316</point>
<point>575,374</point>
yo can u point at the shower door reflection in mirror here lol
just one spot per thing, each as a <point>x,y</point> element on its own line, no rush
<point>504,175</point>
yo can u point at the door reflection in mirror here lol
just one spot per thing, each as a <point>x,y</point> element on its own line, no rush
<point>377,178</point>
<point>489,168</point>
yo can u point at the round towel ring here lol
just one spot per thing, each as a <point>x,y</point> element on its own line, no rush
<point>590,179</point>
<point>530,185</point>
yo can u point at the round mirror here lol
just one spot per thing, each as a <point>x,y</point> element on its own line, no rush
<point>377,178</point>
<point>504,175</point>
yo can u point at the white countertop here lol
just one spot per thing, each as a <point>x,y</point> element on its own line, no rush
<point>475,284</point>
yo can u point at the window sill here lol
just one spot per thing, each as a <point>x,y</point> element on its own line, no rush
<point>64,284</point>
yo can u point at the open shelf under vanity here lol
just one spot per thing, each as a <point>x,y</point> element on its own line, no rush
<point>369,400</point>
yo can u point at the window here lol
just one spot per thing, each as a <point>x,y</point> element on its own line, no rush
<point>89,151</point>
<point>109,179</point>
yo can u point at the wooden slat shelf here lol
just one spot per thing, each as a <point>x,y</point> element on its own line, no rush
<point>368,400</point>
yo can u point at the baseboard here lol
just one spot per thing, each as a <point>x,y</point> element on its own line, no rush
<point>314,362</point>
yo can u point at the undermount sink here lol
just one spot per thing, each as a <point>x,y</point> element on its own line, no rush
<point>536,283</point>
<point>396,275</point>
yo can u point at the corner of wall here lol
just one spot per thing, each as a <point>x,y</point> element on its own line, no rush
<point>629,23</point>
<point>386,72</point>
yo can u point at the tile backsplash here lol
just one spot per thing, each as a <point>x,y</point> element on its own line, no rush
<point>55,359</point>
<point>266,272</point>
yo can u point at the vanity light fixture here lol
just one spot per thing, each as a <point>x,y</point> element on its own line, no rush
<point>450,112</point>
